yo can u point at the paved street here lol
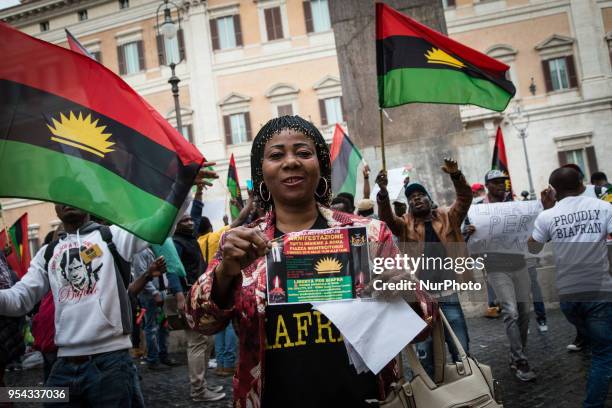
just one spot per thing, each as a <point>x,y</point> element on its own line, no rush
<point>560,383</point>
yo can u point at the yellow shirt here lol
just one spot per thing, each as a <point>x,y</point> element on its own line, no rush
<point>209,243</point>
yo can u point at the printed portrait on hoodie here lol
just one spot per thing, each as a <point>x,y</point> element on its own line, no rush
<point>79,275</point>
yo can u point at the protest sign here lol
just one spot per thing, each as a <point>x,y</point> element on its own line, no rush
<point>318,265</point>
<point>395,187</point>
<point>502,227</point>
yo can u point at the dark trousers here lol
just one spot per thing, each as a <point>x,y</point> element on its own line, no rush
<point>105,380</point>
<point>594,319</point>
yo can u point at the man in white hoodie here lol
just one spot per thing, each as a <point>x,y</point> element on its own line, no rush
<point>92,329</point>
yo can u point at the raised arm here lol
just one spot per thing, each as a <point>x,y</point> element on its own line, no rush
<point>385,212</point>
<point>366,181</point>
<point>459,209</point>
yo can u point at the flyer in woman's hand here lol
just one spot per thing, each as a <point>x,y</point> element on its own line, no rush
<point>318,265</point>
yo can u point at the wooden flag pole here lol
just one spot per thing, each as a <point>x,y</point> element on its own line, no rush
<point>382,140</point>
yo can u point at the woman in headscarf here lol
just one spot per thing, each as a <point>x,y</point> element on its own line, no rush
<point>290,356</point>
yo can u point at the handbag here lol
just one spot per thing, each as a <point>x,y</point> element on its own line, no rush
<point>462,384</point>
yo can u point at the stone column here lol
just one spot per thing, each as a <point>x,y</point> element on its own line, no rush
<point>592,57</point>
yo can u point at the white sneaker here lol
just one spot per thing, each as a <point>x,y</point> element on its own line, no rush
<point>209,396</point>
<point>212,363</point>
<point>542,327</point>
<point>214,388</point>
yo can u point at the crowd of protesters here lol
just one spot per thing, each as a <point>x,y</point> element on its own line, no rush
<point>211,283</point>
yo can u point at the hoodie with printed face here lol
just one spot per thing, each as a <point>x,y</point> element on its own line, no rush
<point>86,293</point>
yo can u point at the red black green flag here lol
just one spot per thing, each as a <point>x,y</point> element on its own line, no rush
<point>418,64</point>
<point>500,161</point>
<point>234,188</point>
<point>19,258</point>
<point>73,132</point>
<point>345,159</point>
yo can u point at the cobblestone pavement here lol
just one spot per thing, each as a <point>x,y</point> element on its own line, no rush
<point>560,384</point>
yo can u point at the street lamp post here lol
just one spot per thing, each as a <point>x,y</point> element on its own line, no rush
<point>523,135</point>
<point>169,29</point>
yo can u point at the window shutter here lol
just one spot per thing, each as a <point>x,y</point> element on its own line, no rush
<point>571,70</point>
<point>269,24</point>
<point>323,112</point>
<point>181,44</point>
<point>141,56</point>
<point>592,159</point>
<point>214,34</point>
<point>547,80</point>
<point>247,122</point>
<point>308,16</point>
<point>343,110</point>
<point>562,158</point>
<point>121,60</point>
<point>237,30</point>
<point>161,49</point>
<point>227,126</point>
<point>278,22</point>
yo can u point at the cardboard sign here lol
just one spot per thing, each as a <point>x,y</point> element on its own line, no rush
<point>502,227</point>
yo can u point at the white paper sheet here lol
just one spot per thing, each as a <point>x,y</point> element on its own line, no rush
<point>377,330</point>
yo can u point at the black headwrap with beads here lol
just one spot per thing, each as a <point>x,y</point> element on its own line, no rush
<point>299,124</point>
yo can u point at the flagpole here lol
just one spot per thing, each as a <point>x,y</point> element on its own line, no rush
<point>382,140</point>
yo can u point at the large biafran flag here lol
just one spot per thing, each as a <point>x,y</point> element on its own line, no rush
<point>73,132</point>
<point>345,159</point>
<point>418,64</point>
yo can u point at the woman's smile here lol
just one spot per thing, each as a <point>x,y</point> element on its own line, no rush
<point>292,181</point>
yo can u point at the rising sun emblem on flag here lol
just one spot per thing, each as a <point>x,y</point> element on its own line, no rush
<point>328,265</point>
<point>437,56</point>
<point>82,133</point>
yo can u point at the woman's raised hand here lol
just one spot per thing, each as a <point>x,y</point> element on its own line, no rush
<point>242,246</point>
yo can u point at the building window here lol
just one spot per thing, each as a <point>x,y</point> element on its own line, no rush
<point>316,14</point>
<point>585,158</point>
<point>44,26</point>
<point>237,128</point>
<point>97,55</point>
<point>123,4</point>
<point>131,58</point>
<point>559,73</point>
<point>285,110</point>
<point>274,24</point>
<point>226,32</point>
<point>331,111</point>
<point>448,3</point>
<point>82,15</point>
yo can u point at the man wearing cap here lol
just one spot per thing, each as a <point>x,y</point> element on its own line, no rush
<point>508,276</point>
<point>434,233</point>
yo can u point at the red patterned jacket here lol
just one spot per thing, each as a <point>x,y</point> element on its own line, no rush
<point>248,311</point>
